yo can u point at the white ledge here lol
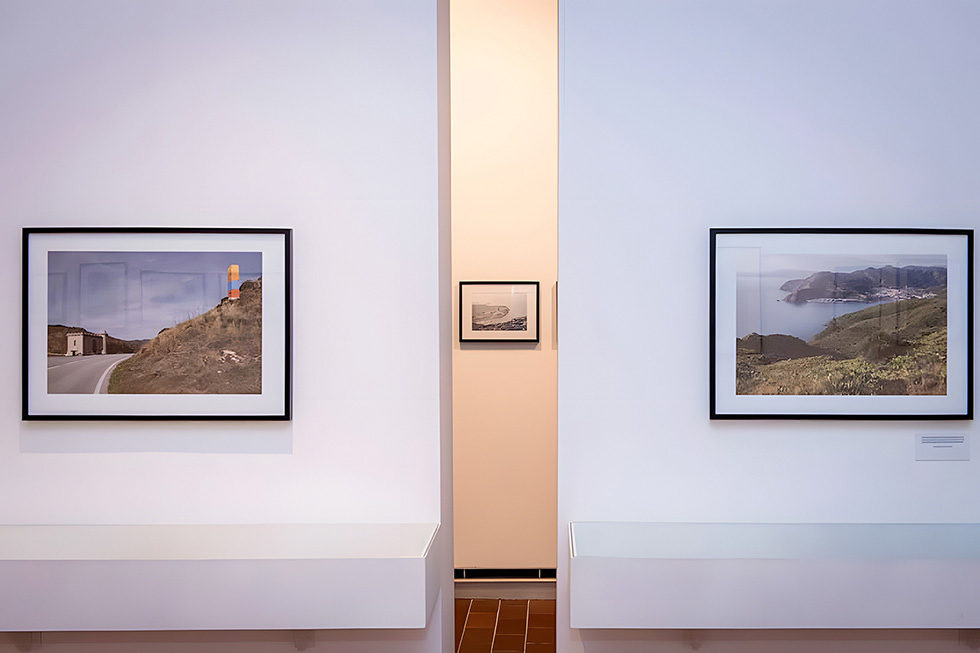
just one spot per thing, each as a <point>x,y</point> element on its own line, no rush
<point>682,575</point>
<point>216,577</point>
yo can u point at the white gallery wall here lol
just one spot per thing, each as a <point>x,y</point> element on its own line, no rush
<point>320,116</point>
<point>676,117</point>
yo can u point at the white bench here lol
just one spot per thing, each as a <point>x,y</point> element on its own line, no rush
<point>701,576</point>
<point>217,577</point>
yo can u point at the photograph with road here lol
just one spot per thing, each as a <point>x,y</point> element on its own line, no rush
<point>136,322</point>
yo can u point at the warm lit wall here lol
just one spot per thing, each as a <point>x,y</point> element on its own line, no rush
<point>677,117</point>
<point>504,187</point>
<point>317,115</point>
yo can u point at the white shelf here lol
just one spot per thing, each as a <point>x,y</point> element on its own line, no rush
<point>682,575</point>
<point>216,577</point>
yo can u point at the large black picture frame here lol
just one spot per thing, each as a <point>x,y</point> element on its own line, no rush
<point>202,318</point>
<point>850,323</point>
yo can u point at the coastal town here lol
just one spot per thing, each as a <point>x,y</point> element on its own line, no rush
<point>879,295</point>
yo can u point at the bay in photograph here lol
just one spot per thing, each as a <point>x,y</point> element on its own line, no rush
<point>499,312</point>
<point>875,327</point>
<point>803,321</point>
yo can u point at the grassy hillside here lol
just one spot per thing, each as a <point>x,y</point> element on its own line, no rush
<point>883,331</point>
<point>890,349</point>
<point>218,352</point>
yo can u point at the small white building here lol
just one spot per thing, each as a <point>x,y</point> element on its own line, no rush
<point>83,343</point>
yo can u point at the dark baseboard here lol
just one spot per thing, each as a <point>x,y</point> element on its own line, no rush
<point>505,574</point>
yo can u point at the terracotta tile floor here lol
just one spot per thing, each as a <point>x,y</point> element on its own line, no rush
<point>505,626</point>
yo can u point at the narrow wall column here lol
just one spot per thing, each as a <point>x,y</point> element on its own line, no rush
<point>504,59</point>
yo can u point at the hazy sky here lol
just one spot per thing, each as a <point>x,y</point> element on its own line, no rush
<point>516,301</point>
<point>133,295</point>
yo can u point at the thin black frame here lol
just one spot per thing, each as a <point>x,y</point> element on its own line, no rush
<point>537,311</point>
<point>967,411</point>
<point>280,414</point>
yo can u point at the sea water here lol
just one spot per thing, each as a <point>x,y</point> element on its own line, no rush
<point>762,309</point>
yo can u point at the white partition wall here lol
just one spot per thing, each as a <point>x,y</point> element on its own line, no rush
<point>328,117</point>
<point>676,117</point>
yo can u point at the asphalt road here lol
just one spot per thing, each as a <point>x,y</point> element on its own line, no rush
<point>81,374</point>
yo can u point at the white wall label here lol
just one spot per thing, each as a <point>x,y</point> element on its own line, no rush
<point>942,446</point>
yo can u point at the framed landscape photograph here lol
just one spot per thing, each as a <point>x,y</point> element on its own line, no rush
<point>498,311</point>
<point>156,323</point>
<point>841,324</point>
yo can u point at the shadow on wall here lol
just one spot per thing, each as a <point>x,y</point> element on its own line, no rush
<point>779,641</point>
<point>192,641</point>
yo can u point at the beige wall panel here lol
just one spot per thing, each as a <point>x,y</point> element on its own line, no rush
<point>504,201</point>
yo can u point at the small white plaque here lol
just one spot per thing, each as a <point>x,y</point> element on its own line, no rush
<point>942,446</point>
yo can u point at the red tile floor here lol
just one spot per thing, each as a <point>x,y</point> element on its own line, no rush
<point>505,626</point>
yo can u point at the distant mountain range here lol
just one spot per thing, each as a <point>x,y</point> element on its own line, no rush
<point>867,285</point>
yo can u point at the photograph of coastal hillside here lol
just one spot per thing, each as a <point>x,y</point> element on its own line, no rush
<point>843,327</point>
<point>500,311</point>
<point>133,322</point>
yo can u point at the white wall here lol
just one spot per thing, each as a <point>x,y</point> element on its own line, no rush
<point>321,116</point>
<point>677,117</point>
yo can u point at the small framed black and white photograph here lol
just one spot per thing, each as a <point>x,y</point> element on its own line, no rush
<point>156,323</point>
<point>841,323</point>
<point>498,311</point>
